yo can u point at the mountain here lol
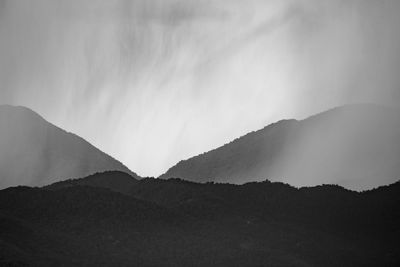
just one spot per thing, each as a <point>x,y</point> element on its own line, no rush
<point>180,223</point>
<point>35,152</point>
<point>356,146</point>
<point>116,181</point>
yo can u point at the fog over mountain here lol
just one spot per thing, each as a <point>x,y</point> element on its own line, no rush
<point>262,132</point>
<point>151,82</point>
<point>356,146</point>
<point>35,152</point>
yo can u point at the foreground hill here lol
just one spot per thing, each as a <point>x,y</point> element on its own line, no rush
<point>113,180</point>
<point>35,152</point>
<point>180,223</point>
<point>350,146</point>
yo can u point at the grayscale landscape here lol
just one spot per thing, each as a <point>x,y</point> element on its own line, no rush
<point>199,133</point>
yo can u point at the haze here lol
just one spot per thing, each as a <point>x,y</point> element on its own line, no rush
<point>152,82</point>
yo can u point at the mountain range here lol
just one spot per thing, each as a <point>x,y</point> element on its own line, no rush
<point>156,222</point>
<point>35,152</point>
<point>84,208</point>
<point>356,146</point>
<point>350,145</point>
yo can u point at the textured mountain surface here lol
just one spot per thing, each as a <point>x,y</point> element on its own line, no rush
<point>180,223</point>
<point>356,146</point>
<point>35,152</point>
<point>116,181</point>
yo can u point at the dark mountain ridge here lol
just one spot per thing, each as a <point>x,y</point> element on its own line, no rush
<point>181,223</point>
<point>116,181</point>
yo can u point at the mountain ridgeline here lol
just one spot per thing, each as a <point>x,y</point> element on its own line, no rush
<point>356,146</point>
<point>35,152</point>
<point>116,181</point>
<point>111,219</point>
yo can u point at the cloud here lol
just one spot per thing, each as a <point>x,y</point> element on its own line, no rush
<point>155,81</point>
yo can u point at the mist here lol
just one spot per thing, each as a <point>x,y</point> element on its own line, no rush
<point>152,82</point>
<point>354,146</point>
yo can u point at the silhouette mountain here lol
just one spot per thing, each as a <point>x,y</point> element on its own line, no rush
<point>116,181</point>
<point>35,152</point>
<point>351,145</point>
<point>180,223</point>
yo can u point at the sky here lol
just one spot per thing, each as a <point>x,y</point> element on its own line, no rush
<point>152,82</point>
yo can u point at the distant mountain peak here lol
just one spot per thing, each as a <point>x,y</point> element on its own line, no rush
<point>35,152</point>
<point>356,146</point>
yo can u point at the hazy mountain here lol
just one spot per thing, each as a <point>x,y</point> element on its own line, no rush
<point>35,152</point>
<point>180,223</point>
<point>356,146</point>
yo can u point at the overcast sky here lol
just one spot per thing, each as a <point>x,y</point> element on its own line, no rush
<point>152,82</point>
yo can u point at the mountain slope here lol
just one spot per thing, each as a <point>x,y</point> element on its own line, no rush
<point>351,146</point>
<point>180,223</point>
<point>116,181</point>
<point>35,152</point>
